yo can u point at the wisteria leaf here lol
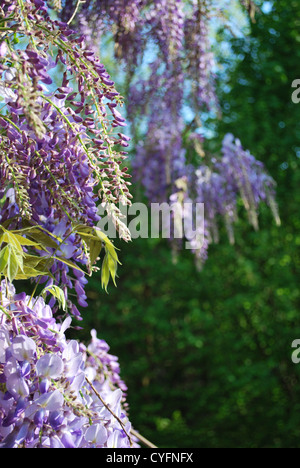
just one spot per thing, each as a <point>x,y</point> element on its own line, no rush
<point>108,244</point>
<point>105,273</point>
<point>4,257</point>
<point>68,263</point>
<point>113,266</point>
<point>15,263</point>
<point>42,239</point>
<point>102,236</point>
<point>112,251</point>
<point>40,234</point>
<point>57,293</point>
<point>27,242</point>
<point>29,273</point>
<point>83,229</point>
<point>33,261</point>
<point>95,249</point>
<point>11,239</point>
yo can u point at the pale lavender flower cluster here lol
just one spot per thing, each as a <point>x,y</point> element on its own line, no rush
<point>167,43</point>
<point>50,386</point>
<point>234,175</point>
<point>165,20</point>
<point>159,159</point>
<point>200,57</point>
<point>247,176</point>
<point>97,17</point>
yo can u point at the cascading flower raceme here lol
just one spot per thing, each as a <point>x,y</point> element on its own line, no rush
<point>169,44</point>
<point>61,146</point>
<point>200,56</point>
<point>219,186</point>
<point>166,42</point>
<point>50,387</point>
<point>159,160</point>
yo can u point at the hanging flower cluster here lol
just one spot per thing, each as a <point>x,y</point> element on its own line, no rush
<point>54,392</point>
<point>61,145</point>
<point>219,186</point>
<point>81,115</point>
<point>171,72</point>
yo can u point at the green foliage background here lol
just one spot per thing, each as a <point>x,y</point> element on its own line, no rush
<point>207,356</point>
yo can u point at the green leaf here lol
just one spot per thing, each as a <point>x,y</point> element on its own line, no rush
<point>108,244</point>
<point>14,264</point>
<point>11,239</point>
<point>38,232</point>
<point>95,250</point>
<point>29,272</point>
<point>113,266</point>
<point>42,238</point>
<point>58,294</point>
<point>69,263</point>
<point>33,261</point>
<point>83,229</point>
<point>27,242</point>
<point>105,273</point>
<point>4,257</point>
<point>112,251</point>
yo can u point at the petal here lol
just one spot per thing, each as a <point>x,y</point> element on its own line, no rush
<point>96,434</point>
<point>50,365</point>
<point>23,348</point>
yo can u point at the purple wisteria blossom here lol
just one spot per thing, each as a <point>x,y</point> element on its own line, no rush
<point>45,399</point>
<point>62,151</point>
<point>167,47</point>
<point>234,175</point>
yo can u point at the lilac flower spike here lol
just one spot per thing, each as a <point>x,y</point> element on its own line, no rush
<point>45,400</point>
<point>59,156</point>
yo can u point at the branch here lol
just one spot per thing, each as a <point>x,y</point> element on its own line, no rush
<point>76,10</point>
<point>108,408</point>
<point>142,439</point>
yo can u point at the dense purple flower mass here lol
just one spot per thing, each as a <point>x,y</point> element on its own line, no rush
<point>45,397</point>
<point>61,145</point>
<point>219,186</point>
<point>69,131</point>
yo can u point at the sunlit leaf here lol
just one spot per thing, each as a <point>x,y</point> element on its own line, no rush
<point>105,273</point>
<point>68,262</point>
<point>4,257</point>
<point>57,293</point>
<point>95,249</point>
<point>15,263</point>
<point>11,239</point>
<point>28,273</point>
<point>113,266</point>
<point>27,242</point>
